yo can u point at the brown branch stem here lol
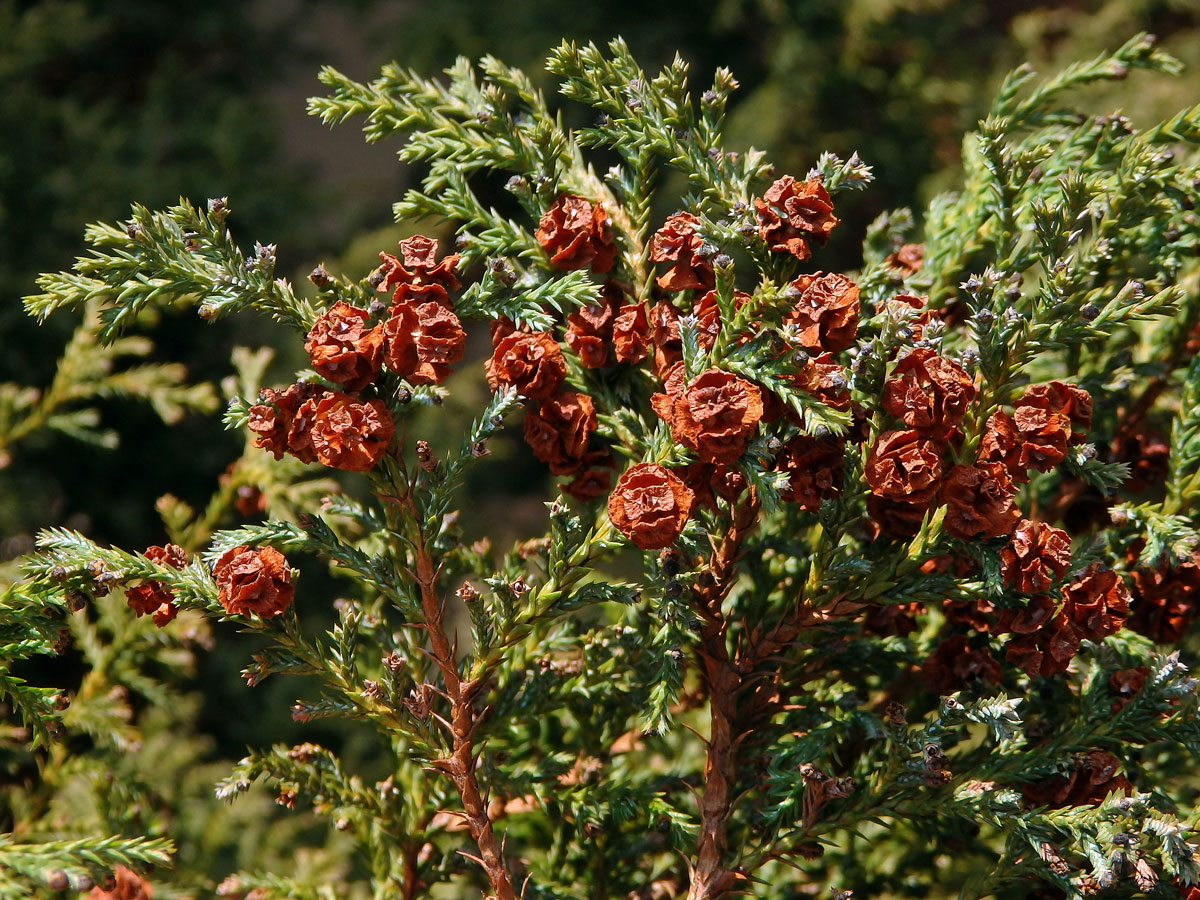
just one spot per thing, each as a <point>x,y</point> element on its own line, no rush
<point>461,762</point>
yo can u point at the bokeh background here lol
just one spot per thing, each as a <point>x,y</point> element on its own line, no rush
<point>108,102</point>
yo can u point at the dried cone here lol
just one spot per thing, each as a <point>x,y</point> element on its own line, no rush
<point>1166,600</point>
<point>631,333</point>
<point>650,506</point>
<point>906,467</point>
<point>714,415</point>
<point>153,597</point>
<point>1036,554</point>
<point>979,502</point>
<point>677,243</point>
<point>576,234</point>
<point>343,349</point>
<point>1096,601</point>
<point>271,419</point>
<point>254,581</point>
<point>590,328</point>
<point>343,433</point>
<point>420,276</point>
<point>1094,776</point>
<point>791,212</point>
<point>825,312</point>
<point>423,341</point>
<point>814,466</point>
<point>127,885</point>
<point>954,663</point>
<point>1065,399</point>
<point>532,363</point>
<point>559,428</point>
<point>594,478</point>
<point>928,392</point>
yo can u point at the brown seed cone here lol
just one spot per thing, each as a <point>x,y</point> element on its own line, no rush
<point>791,212</point>
<point>631,333</point>
<point>423,341</point>
<point>714,415</point>
<point>594,477</point>
<point>708,317</point>
<point>826,312</point>
<point>1058,397</point>
<point>1001,443</point>
<point>1126,684</point>
<point>906,467</point>
<point>1047,651</point>
<point>559,428</point>
<point>342,349</point>
<point>928,392</point>
<point>650,506</point>
<point>664,336</point>
<point>892,618</point>
<point>153,597</point>
<point>814,466</point>
<point>576,234</point>
<point>895,518</point>
<point>1096,602</point>
<point>255,581</point>
<point>1035,555</point>
<point>1148,457</point>
<point>1093,777</point>
<point>677,242</point>
<point>532,363</point>
<point>590,328</point>
<point>825,380</point>
<point>1166,600</point>
<point>127,885</point>
<point>419,270</point>
<point>342,433</point>
<point>709,481</point>
<point>1044,436</point>
<point>271,419</point>
<point>979,502</point>
<point>908,259</point>
<point>954,662</point>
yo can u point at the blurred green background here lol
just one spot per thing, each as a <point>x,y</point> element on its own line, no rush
<point>108,102</point>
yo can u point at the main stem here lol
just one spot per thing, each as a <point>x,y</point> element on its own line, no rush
<point>460,764</point>
<point>710,876</point>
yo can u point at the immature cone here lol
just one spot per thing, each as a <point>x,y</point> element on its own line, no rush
<point>254,581</point>
<point>906,467</point>
<point>559,428</point>
<point>928,392</point>
<point>127,885</point>
<point>423,341</point>
<point>714,415</point>
<point>1035,555</point>
<point>575,234</point>
<point>979,502</point>
<point>342,433</point>
<point>677,242</point>
<point>153,597</point>
<point>825,312</point>
<point>791,212</point>
<point>342,349</point>
<point>650,506</point>
<point>530,362</point>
